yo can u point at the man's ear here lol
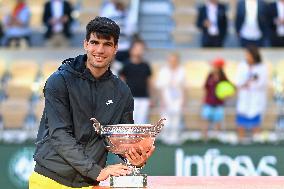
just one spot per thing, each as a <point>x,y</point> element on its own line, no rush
<point>85,44</point>
<point>116,49</point>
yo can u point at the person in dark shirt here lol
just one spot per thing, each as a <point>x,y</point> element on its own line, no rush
<point>213,110</point>
<point>137,74</point>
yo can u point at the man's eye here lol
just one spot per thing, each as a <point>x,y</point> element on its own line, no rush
<point>108,44</point>
<point>93,42</point>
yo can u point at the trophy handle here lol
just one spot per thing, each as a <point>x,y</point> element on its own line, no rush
<point>158,126</point>
<point>96,125</point>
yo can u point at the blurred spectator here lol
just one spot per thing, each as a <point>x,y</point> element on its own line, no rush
<point>58,19</point>
<point>213,107</point>
<point>16,25</point>
<point>171,86</point>
<point>251,80</point>
<point>276,23</point>
<point>118,12</point>
<point>1,32</point>
<point>251,22</point>
<point>137,74</point>
<point>212,20</point>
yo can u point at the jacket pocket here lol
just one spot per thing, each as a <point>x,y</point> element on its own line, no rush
<point>42,148</point>
<point>54,162</point>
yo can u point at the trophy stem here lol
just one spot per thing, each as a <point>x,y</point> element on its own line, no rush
<point>135,170</point>
<point>134,180</point>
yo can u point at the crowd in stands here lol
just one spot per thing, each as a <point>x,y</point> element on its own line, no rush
<point>257,23</point>
<point>57,19</point>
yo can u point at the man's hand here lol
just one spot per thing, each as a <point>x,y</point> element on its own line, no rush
<point>115,170</point>
<point>139,159</point>
<point>207,23</point>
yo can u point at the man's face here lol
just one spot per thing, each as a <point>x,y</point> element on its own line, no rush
<point>137,50</point>
<point>173,60</point>
<point>100,52</point>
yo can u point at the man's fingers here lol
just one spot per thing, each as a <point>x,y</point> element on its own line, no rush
<point>151,151</point>
<point>121,166</point>
<point>134,151</point>
<point>127,156</point>
<point>144,155</point>
<point>119,169</point>
<point>131,154</point>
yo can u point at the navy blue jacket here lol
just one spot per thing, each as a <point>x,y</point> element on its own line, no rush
<point>261,16</point>
<point>47,15</point>
<point>272,15</point>
<point>222,20</point>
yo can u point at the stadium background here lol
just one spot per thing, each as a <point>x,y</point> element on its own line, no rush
<point>165,25</point>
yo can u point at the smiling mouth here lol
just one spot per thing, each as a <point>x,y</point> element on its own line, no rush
<point>99,58</point>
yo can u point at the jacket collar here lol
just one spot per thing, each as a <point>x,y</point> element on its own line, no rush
<point>78,67</point>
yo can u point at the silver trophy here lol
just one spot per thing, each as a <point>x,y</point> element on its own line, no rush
<point>122,137</point>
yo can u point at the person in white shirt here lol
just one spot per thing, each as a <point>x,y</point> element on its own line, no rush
<point>172,88</point>
<point>251,22</point>
<point>16,24</point>
<point>276,23</point>
<point>251,80</point>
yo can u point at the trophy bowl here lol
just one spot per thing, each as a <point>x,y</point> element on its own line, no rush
<point>120,138</point>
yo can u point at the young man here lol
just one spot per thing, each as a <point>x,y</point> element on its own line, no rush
<point>69,152</point>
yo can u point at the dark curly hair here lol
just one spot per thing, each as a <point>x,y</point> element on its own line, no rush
<point>104,28</point>
<point>254,51</point>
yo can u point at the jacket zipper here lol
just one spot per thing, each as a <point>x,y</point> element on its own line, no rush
<point>94,96</point>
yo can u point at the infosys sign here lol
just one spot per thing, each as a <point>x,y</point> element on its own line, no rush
<point>213,163</point>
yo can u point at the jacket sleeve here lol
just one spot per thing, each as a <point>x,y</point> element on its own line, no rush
<point>46,15</point>
<point>271,15</point>
<point>261,82</point>
<point>68,11</point>
<point>223,21</point>
<point>127,116</point>
<point>239,16</point>
<point>200,18</point>
<point>61,128</point>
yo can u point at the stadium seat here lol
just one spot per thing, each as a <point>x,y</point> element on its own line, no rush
<point>2,68</point>
<point>38,110</point>
<point>48,67</point>
<point>92,4</point>
<point>184,3</point>
<point>24,70</point>
<point>14,112</point>
<point>19,89</point>
<point>181,37</point>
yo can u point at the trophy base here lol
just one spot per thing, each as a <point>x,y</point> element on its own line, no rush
<point>131,181</point>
